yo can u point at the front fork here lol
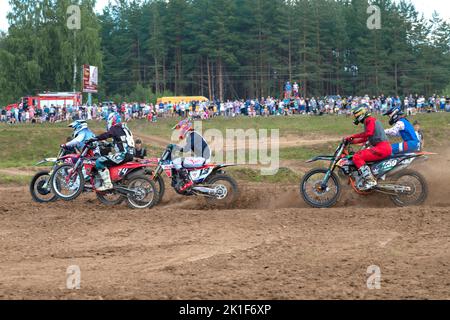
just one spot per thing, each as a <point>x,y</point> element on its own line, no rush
<point>157,174</point>
<point>328,175</point>
<point>74,170</point>
<point>333,165</point>
<point>46,185</point>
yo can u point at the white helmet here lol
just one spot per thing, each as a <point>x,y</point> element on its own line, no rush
<point>78,126</point>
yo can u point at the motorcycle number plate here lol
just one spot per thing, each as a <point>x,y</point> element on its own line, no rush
<point>389,164</point>
<point>195,175</point>
<point>385,166</point>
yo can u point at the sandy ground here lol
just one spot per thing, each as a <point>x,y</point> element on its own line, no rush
<point>272,246</point>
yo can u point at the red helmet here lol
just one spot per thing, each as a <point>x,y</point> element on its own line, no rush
<point>184,126</point>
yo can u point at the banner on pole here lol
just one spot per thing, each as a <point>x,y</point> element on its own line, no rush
<point>90,79</point>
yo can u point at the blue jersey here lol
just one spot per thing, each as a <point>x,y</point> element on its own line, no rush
<point>408,134</point>
<point>404,129</point>
<point>81,138</point>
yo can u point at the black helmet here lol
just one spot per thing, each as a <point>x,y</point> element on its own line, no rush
<point>394,114</point>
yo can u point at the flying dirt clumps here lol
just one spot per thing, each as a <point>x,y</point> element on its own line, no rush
<point>437,172</point>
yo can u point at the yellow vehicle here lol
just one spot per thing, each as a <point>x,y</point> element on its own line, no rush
<point>180,99</point>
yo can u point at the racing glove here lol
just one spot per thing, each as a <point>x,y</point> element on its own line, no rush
<point>90,141</point>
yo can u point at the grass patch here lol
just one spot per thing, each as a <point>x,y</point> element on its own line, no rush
<point>298,125</point>
<point>22,180</point>
<point>285,175</point>
<point>306,153</point>
<point>24,145</point>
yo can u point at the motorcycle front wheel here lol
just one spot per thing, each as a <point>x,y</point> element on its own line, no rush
<point>40,188</point>
<point>66,188</point>
<point>313,193</point>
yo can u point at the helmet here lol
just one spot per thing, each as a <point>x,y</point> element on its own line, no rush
<point>184,126</point>
<point>394,114</point>
<point>113,119</point>
<point>78,126</point>
<point>361,113</point>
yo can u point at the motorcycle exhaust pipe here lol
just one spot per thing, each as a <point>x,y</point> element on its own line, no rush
<point>394,188</point>
<point>207,191</point>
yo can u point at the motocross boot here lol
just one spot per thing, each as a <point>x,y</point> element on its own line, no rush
<point>106,178</point>
<point>187,182</point>
<point>370,181</point>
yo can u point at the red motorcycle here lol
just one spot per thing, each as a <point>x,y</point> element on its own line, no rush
<point>40,186</point>
<point>130,180</point>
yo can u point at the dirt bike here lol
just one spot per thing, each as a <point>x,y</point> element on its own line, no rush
<point>210,181</point>
<point>131,181</point>
<point>321,188</point>
<point>40,187</point>
<point>152,164</point>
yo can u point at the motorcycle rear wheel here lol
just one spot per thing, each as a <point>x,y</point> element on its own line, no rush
<point>146,196</point>
<point>419,185</point>
<point>161,188</point>
<point>231,195</point>
<point>159,183</point>
<point>116,198</point>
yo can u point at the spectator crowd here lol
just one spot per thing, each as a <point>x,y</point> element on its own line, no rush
<point>292,104</point>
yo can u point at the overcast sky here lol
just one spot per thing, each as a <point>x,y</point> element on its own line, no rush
<point>425,6</point>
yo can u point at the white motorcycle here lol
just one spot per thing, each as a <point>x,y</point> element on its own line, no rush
<point>210,181</point>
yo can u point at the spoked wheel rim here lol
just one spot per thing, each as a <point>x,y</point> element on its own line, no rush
<point>63,186</point>
<point>144,193</point>
<point>43,192</point>
<point>416,193</point>
<point>41,189</point>
<point>315,194</point>
<point>110,197</point>
<point>224,190</point>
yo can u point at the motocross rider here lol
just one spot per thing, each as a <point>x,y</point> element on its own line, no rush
<point>379,149</point>
<point>81,134</point>
<point>123,144</point>
<point>194,143</point>
<point>404,129</point>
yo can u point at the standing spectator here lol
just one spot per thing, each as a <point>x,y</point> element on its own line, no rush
<point>139,151</point>
<point>288,90</point>
<point>3,115</point>
<point>296,89</point>
<point>442,103</point>
<point>420,135</point>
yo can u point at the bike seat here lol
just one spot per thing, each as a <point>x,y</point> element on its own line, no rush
<point>395,156</point>
<point>190,163</point>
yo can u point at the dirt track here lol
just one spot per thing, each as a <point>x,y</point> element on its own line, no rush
<point>272,247</point>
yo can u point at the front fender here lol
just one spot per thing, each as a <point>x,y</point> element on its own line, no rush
<point>47,160</point>
<point>321,158</point>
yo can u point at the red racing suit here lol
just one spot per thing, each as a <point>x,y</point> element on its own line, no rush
<point>380,147</point>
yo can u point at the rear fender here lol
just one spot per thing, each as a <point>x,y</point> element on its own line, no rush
<point>219,168</point>
<point>132,173</point>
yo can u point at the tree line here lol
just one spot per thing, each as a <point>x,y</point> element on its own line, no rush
<point>225,48</point>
